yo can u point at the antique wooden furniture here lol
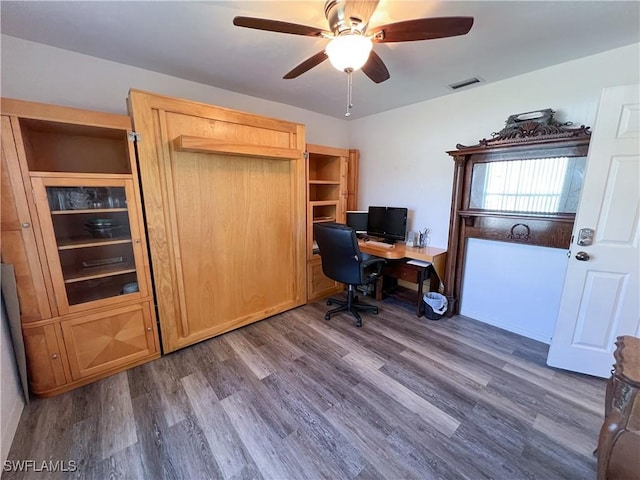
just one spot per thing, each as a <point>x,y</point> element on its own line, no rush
<point>619,441</point>
<point>225,210</point>
<point>523,185</point>
<point>332,180</point>
<point>72,227</point>
<point>343,262</point>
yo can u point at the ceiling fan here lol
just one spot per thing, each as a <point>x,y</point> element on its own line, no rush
<point>351,42</point>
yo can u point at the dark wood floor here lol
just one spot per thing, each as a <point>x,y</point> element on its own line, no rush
<point>296,397</point>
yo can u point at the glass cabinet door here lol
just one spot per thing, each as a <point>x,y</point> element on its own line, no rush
<point>94,251</point>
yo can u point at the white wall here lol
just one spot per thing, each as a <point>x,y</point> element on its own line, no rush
<point>11,399</point>
<point>404,163</point>
<point>39,73</point>
<point>403,159</point>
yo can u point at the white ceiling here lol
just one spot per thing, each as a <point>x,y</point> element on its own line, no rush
<point>197,41</point>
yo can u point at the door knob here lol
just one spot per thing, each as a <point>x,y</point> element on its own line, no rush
<point>582,256</point>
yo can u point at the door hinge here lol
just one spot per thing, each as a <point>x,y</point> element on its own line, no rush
<point>134,136</point>
<point>306,155</point>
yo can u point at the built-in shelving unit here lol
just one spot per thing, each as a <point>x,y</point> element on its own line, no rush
<point>76,239</point>
<point>327,170</point>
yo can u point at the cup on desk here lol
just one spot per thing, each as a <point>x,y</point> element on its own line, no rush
<point>413,239</point>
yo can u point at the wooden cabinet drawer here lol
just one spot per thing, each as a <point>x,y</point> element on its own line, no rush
<point>319,284</point>
<point>107,340</point>
<point>403,271</point>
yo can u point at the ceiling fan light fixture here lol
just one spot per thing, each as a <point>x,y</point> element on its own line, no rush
<point>349,51</point>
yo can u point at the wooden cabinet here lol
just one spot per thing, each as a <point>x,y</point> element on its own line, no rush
<point>619,439</point>
<point>45,352</point>
<point>225,200</point>
<point>106,340</point>
<point>72,227</point>
<point>330,173</point>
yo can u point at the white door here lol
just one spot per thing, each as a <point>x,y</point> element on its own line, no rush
<point>600,299</point>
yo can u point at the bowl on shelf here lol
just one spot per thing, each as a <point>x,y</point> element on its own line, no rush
<point>130,288</point>
<point>100,222</point>
<point>103,228</point>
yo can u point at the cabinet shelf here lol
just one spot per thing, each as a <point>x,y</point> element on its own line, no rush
<point>323,219</point>
<point>88,210</point>
<point>323,203</point>
<point>99,272</point>
<point>93,242</point>
<point>325,182</point>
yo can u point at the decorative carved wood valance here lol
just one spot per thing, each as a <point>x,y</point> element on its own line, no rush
<point>538,126</point>
<point>489,200</point>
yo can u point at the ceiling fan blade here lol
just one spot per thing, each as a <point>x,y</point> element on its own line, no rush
<point>375,68</point>
<point>421,29</point>
<point>277,26</point>
<point>307,65</point>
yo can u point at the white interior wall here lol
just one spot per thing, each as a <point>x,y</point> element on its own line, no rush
<point>11,399</point>
<point>403,159</point>
<point>81,81</point>
<point>404,163</point>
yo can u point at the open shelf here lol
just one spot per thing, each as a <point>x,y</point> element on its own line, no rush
<point>186,143</point>
<point>65,147</point>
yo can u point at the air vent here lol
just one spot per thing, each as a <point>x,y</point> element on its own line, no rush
<point>464,83</point>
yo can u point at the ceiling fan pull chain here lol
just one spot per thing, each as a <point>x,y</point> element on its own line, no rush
<point>349,92</point>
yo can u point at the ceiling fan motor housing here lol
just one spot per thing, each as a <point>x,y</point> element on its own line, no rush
<point>349,16</point>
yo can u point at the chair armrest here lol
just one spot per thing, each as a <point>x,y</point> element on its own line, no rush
<point>373,261</point>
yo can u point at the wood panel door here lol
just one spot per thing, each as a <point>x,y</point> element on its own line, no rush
<point>90,266</point>
<point>105,341</point>
<point>224,196</point>
<point>600,296</point>
<point>19,246</point>
<point>45,349</point>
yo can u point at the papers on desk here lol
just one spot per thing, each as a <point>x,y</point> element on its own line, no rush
<point>419,263</point>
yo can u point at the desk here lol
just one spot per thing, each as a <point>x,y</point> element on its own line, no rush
<point>437,257</point>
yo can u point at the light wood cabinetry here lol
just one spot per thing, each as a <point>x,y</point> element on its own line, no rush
<point>225,201</point>
<point>332,177</point>
<point>46,357</point>
<point>72,227</point>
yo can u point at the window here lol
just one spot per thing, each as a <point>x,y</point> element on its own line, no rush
<point>544,185</point>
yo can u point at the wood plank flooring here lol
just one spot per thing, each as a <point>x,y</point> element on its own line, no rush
<point>297,397</point>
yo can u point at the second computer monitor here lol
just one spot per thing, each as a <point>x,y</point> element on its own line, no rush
<point>357,220</point>
<point>389,223</point>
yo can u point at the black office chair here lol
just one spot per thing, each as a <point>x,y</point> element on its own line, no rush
<point>343,262</point>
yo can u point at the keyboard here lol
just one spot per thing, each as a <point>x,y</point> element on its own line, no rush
<point>379,244</point>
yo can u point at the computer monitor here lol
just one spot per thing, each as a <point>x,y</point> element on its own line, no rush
<point>396,229</point>
<point>357,220</point>
<point>389,223</point>
<point>376,221</point>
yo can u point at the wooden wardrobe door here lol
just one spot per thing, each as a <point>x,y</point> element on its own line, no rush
<point>18,236</point>
<point>224,195</point>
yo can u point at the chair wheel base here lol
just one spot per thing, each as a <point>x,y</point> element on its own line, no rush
<point>350,306</point>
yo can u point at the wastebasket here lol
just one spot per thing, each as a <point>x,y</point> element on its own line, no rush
<point>435,305</point>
